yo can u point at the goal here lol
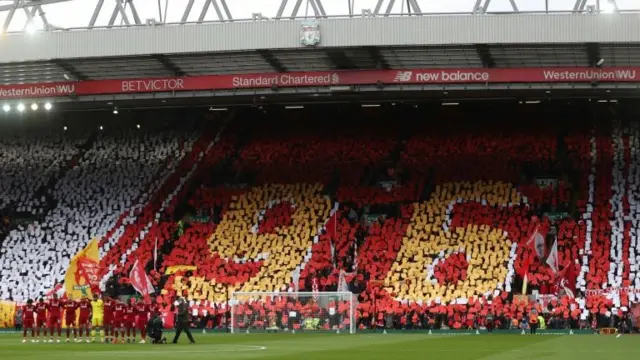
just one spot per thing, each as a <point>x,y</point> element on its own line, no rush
<point>293,311</point>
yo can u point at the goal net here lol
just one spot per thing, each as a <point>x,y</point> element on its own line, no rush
<point>293,311</point>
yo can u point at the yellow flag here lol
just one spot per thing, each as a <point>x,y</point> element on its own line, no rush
<point>82,271</point>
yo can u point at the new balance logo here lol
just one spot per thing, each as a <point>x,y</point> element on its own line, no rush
<point>403,76</point>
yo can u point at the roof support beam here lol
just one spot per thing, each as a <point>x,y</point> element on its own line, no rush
<point>27,3</point>
<point>579,5</point>
<point>412,7</point>
<point>340,59</point>
<point>268,56</point>
<point>96,12</point>
<point>481,6</point>
<point>316,6</point>
<point>172,68</point>
<point>485,55</point>
<point>593,54</point>
<point>187,11</point>
<point>119,9</point>
<point>31,8</point>
<point>70,70</point>
<point>381,62</point>
<point>216,7</point>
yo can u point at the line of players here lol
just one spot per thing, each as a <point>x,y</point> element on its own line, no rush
<point>110,318</point>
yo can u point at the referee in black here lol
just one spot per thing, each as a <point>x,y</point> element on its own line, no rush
<point>183,321</point>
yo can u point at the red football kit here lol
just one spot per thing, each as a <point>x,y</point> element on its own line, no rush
<point>85,312</point>
<point>55,313</point>
<point>109,304</point>
<point>154,309</point>
<point>70,307</point>
<point>129,316</point>
<point>28,312</point>
<point>143,316</point>
<point>142,311</point>
<point>41,314</point>
<point>118,315</point>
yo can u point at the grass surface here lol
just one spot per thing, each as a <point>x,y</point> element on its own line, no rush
<point>333,346</point>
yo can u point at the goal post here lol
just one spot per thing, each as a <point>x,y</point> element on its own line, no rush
<point>293,312</point>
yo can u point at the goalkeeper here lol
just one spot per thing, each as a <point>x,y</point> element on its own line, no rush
<point>155,327</point>
<point>97,318</point>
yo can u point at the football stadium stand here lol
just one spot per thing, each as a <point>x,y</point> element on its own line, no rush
<point>430,222</point>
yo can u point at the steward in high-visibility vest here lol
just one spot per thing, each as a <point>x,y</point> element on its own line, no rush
<point>533,323</point>
<point>543,324</point>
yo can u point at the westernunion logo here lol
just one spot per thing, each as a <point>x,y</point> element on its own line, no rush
<point>82,275</point>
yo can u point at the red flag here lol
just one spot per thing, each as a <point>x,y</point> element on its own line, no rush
<point>566,281</point>
<point>140,281</point>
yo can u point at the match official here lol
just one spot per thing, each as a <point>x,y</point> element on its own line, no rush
<point>183,321</point>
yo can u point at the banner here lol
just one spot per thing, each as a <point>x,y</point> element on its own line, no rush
<point>557,216</point>
<point>613,290</point>
<point>175,268</point>
<point>322,78</point>
<point>80,275</point>
<point>547,183</point>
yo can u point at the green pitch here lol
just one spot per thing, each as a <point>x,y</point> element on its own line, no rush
<point>343,346</point>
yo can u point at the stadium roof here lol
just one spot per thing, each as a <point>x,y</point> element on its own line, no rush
<point>321,59</point>
<point>21,15</point>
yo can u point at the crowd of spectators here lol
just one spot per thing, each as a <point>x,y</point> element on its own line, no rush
<point>430,230</point>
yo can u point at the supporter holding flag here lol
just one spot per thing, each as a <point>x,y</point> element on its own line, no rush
<point>55,313</point>
<point>41,319</point>
<point>28,312</point>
